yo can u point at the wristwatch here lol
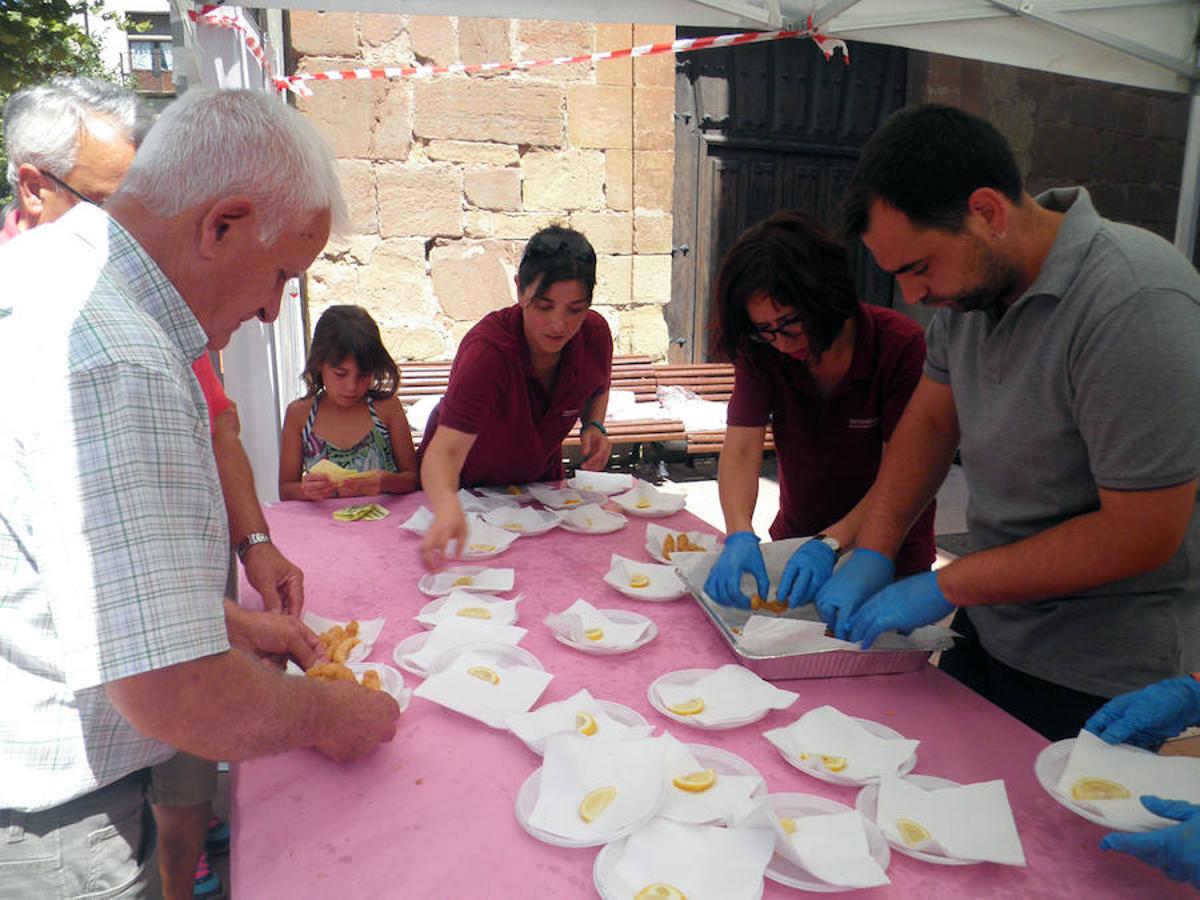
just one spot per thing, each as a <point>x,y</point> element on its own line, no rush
<point>831,542</point>
<point>254,537</point>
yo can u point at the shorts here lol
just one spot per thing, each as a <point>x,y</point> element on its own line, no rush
<point>183,780</point>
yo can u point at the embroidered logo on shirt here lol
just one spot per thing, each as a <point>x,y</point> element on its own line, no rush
<point>570,413</point>
<point>872,422</point>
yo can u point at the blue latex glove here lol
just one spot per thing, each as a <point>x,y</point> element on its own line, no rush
<point>903,606</point>
<point>1149,716</point>
<point>1175,850</point>
<point>741,554</point>
<point>807,569</point>
<point>864,574</point>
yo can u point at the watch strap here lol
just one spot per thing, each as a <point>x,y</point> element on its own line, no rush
<point>250,540</point>
<point>831,542</point>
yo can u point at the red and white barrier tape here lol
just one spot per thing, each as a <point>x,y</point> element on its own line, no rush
<point>213,15</point>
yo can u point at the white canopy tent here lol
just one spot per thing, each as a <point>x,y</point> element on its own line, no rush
<point>1145,43</point>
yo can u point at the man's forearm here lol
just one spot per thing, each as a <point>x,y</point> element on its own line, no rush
<point>237,480</point>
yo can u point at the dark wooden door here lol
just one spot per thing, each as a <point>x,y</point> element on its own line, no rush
<point>760,128</point>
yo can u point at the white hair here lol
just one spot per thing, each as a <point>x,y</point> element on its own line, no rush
<point>208,145</point>
<point>42,122</point>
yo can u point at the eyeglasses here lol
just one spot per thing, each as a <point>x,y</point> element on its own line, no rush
<point>62,184</point>
<point>540,248</point>
<point>770,335</point>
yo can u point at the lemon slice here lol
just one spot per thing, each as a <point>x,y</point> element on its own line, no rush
<point>465,580</point>
<point>571,501</point>
<point>1098,789</point>
<point>642,504</point>
<point>594,634</point>
<point>596,802</point>
<point>834,763</point>
<point>585,723</point>
<point>803,757</point>
<point>688,707</point>
<point>911,833</point>
<point>483,673</point>
<point>474,612</point>
<point>514,526</point>
<point>481,548</point>
<point>660,890</point>
<point>514,490</point>
<point>788,826</point>
<point>696,782</point>
<point>639,581</point>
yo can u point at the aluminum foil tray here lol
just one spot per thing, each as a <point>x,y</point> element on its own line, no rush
<point>891,654</point>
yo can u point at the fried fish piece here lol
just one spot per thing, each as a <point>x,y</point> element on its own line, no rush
<point>775,606</point>
<point>371,680</point>
<point>330,671</point>
<point>341,651</point>
<point>757,602</point>
<point>668,546</point>
<point>684,544</point>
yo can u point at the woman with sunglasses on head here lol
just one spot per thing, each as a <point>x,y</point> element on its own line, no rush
<point>831,375</point>
<point>521,379</point>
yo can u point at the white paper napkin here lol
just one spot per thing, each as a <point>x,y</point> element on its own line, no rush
<point>580,618</point>
<point>729,693</point>
<point>460,604</point>
<point>656,536</point>
<point>556,498</point>
<point>777,634</point>
<point>704,862</point>
<point>368,632</point>
<point>473,504</point>
<point>522,520</point>
<point>419,521</point>
<point>592,517</point>
<point>826,731</point>
<point>462,631</point>
<point>574,766</point>
<point>717,803</point>
<point>600,482</point>
<point>973,821</point>
<point>662,582</point>
<point>562,717</point>
<point>517,688</point>
<point>505,492</point>
<point>644,499</point>
<point>485,580</point>
<point>831,846</point>
<point>483,540</point>
<point>1138,771</point>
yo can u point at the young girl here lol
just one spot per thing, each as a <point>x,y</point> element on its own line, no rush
<point>349,416</point>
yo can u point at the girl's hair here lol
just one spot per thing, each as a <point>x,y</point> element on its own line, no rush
<point>349,331</point>
<point>793,260</point>
<point>557,254</point>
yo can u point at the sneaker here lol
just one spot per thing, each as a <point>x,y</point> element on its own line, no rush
<point>217,840</point>
<point>208,882</point>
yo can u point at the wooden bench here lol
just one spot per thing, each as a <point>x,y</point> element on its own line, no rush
<point>708,381</point>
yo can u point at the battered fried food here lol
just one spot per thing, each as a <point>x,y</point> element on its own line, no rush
<point>339,642</point>
<point>371,680</point>
<point>668,546</point>
<point>756,602</point>
<point>336,671</point>
<point>776,606</point>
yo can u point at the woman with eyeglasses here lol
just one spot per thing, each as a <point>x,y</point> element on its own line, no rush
<point>831,375</point>
<point>521,379</point>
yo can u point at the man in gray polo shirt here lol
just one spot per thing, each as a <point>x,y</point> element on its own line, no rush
<point>1065,363</point>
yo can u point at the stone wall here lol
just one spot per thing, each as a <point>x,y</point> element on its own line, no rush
<point>1124,144</point>
<point>447,177</point>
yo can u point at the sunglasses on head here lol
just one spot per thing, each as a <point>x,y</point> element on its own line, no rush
<point>541,248</point>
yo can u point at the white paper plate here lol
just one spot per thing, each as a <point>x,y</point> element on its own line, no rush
<point>484,541</point>
<point>523,522</point>
<point>621,617</point>
<point>665,584</point>
<point>725,763</point>
<point>368,632</point>
<point>605,521</point>
<point>414,643</point>
<point>654,541</point>
<point>812,766</point>
<point>425,585</point>
<point>418,522</point>
<point>600,482</point>
<point>485,600</point>
<point>691,676</point>
<point>506,655</point>
<point>621,713</point>
<point>1049,766</point>
<point>527,799</point>
<point>610,886</point>
<point>659,503</point>
<point>564,498</point>
<point>799,806</point>
<point>867,803</point>
<point>391,681</point>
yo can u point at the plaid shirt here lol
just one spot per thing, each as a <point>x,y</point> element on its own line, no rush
<point>113,535</point>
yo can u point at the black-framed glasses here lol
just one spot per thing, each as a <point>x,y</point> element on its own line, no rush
<point>783,329</point>
<point>62,184</point>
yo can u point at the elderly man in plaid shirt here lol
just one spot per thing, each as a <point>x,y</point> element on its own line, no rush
<point>115,644</point>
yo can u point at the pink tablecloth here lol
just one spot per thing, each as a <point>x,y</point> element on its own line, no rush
<point>431,814</point>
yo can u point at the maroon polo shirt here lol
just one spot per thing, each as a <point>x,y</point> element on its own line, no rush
<point>495,395</point>
<point>829,448</point>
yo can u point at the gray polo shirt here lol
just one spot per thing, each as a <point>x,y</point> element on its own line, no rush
<point>1091,379</point>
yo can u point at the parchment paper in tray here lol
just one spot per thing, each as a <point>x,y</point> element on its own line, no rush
<point>892,652</point>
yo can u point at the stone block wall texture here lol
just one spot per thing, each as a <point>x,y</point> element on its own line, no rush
<point>447,177</point>
<point>1124,144</point>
